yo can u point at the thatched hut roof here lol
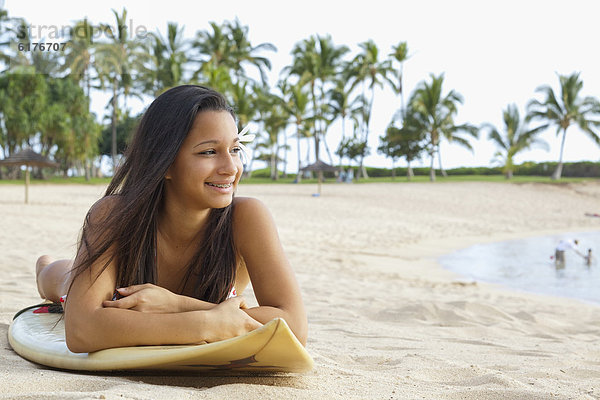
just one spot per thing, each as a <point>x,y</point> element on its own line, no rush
<point>28,157</point>
<point>319,166</point>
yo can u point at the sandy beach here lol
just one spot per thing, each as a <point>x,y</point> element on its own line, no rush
<point>386,320</point>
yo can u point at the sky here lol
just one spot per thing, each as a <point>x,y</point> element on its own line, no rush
<point>492,53</point>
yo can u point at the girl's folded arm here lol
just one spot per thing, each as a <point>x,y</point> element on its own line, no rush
<point>273,281</point>
<point>89,326</point>
<point>155,299</point>
<point>111,327</point>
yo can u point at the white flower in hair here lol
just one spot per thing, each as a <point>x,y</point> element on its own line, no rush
<point>245,137</point>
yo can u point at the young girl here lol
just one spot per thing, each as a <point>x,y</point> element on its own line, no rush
<point>163,253</point>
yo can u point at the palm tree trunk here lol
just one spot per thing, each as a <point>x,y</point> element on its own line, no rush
<point>558,171</point>
<point>442,171</point>
<point>88,169</point>
<point>88,84</point>
<point>328,152</point>
<point>508,167</point>
<point>87,162</point>
<point>276,176</point>
<point>401,91</point>
<point>114,126</point>
<point>342,141</point>
<point>363,170</point>
<point>431,170</point>
<point>325,127</point>
<point>273,166</point>
<point>299,175</point>
<point>317,120</point>
<point>310,174</point>
<point>409,172</point>
<point>285,153</point>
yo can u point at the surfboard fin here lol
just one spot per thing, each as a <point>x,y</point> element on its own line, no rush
<point>54,308</point>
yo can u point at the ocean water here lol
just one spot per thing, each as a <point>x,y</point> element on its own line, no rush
<point>526,264</point>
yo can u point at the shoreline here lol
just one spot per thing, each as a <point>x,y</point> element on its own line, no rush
<point>526,235</point>
<point>386,320</point>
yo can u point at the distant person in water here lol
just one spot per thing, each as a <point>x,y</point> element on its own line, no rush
<point>564,245</point>
<point>589,258</point>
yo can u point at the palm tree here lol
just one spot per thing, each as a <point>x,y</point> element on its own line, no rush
<point>47,63</point>
<point>5,44</point>
<point>69,125</point>
<point>275,121</point>
<point>109,69</point>
<point>228,48</point>
<point>79,62</point>
<point>407,141</point>
<point>130,54</point>
<point>367,68</point>
<point>296,103</point>
<point>167,60</point>
<point>316,60</point>
<point>243,98</point>
<point>435,114</point>
<point>213,48</point>
<point>242,51</point>
<point>262,104</point>
<point>515,139</point>
<point>116,62</point>
<point>23,101</point>
<point>10,27</point>
<point>329,65</point>
<point>566,110</point>
<point>340,106</point>
<point>352,147</point>
<point>305,67</point>
<point>399,54</point>
<point>79,55</point>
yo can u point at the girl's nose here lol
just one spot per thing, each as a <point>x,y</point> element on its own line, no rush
<point>228,165</point>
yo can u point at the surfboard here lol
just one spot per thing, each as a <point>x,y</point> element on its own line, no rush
<point>271,348</point>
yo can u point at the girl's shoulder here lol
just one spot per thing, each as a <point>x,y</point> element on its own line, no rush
<point>103,207</point>
<point>242,201</point>
<point>251,218</point>
<point>247,208</point>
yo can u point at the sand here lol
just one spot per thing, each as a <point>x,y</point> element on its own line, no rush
<point>386,320</point>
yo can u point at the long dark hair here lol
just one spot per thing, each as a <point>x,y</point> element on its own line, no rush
<point>138,186</point>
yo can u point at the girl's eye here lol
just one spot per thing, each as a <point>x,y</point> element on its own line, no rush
<point>235,150</point>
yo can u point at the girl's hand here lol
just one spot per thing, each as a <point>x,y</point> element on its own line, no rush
<point>228,319</point>
<point>146,298</point>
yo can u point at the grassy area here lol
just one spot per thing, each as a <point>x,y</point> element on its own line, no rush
<point>58,180</point>
<point>477,178</point>
<point>288,180</point>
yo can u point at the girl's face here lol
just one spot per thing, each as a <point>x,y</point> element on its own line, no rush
<point>208,167</point>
